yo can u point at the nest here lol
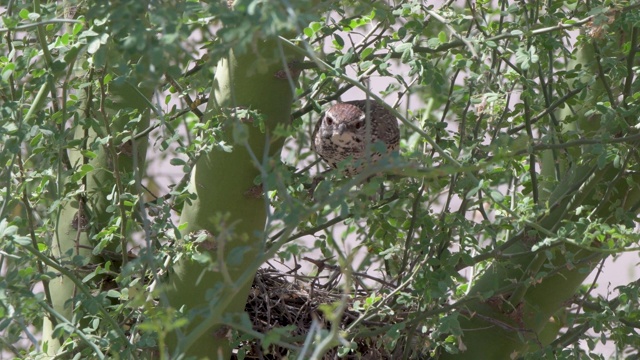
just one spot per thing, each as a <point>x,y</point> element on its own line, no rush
<point>278,299</point>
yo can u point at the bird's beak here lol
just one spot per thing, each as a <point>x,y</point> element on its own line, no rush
<point>342,128</point>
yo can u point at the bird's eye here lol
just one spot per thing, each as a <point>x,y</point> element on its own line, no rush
<point>359,125</point>
<point>329,121</point>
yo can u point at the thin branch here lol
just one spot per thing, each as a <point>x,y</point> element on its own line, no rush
<point>76,329</point>
<point>580,142</point>
<point>38,24</point>
<point>602,77</point>
<point>453,32</point>
<point>34,240</point>
<point>115,160</point>
<point>114,326</point>
<point>193,105</point>
<point>630,61</point>
<point>532,155</point>
<point>549,109</point>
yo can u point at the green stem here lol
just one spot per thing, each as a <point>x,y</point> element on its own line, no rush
<point>83,289</point>
<point>75,328</point>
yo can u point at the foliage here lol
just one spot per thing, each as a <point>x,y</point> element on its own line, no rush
<point>518,166</point>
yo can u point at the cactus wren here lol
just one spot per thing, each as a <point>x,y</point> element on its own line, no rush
<point>347,130</point>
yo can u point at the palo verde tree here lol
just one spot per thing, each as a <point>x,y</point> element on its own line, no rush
<point>516,178</point>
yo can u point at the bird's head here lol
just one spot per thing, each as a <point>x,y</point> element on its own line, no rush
<point>344,124</point>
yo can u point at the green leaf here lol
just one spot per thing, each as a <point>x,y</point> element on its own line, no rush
<point>34,17</point>
<point>177,162</point>
<point>93,46</point>
<point>22,240</point>
<point>77,27</point>
<point>315,26</point>
<point>403,47</point>
<point>365,53</point>
<point>338,42</point>
<point>497,196</point>
<point>442,37</point>
<point>63,40</point>
<point>24,14</point>
<point>450,325</point>
<point>89,154</point>
<point>7,71</point>
<point>308,32</point>
<point>6,229</point>
<point>81,172</point>
<point>366,64</point>
<point>407,55</point>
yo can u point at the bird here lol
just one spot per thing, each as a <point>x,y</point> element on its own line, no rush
<point>349,129</point>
